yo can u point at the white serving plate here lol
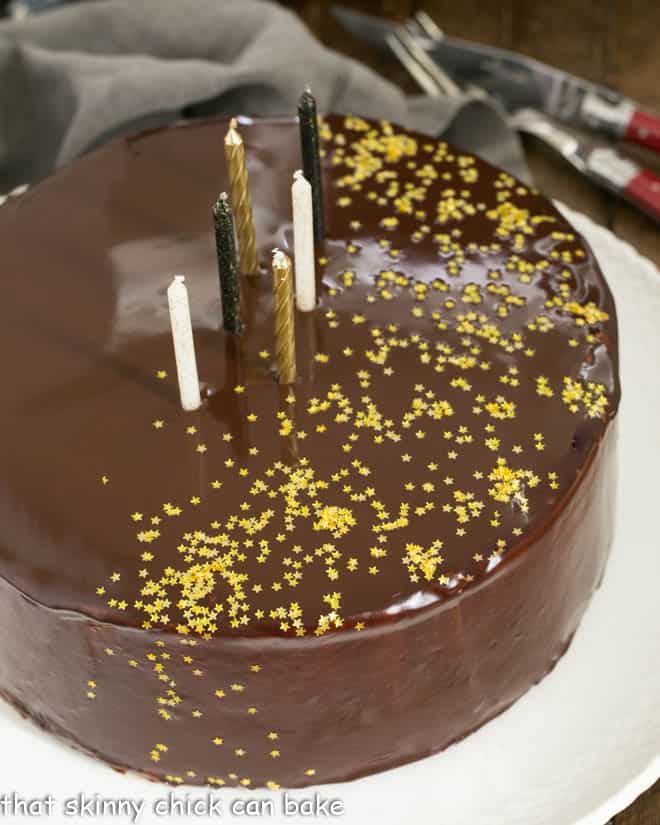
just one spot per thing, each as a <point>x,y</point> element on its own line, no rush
<point>576,750</point>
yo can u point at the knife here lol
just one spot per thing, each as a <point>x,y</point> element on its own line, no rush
<point>518,82</point>
<point>603,165</point>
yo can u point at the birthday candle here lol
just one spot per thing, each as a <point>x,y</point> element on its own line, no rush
<point>227,264</point>
<point>240,198</point>
<point>311,155</point>
<point>285,336</point>
<point>303,241</point>
<point>184,344</point>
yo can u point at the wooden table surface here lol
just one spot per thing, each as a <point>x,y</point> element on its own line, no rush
<point>611,41</point>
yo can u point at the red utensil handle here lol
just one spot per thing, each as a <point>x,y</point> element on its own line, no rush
<point>644,191</point>
<point>644,128</point>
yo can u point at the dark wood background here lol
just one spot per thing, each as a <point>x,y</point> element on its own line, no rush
<point>612,41</point>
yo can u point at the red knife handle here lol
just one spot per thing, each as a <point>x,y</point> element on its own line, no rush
<point>644,192</point>
<point>621,119</point>
<point>620,175</point>
<point>644,128</point>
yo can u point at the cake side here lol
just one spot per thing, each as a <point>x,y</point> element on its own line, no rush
<point>328,708</point>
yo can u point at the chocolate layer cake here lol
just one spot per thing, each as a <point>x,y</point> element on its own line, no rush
<point>307,583</point>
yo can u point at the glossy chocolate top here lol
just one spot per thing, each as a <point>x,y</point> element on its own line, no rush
<point>458,370</point>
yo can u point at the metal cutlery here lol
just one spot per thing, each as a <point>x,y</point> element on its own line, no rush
<point>517,81</point>
<point>428,74</point>
<point>603,165</point>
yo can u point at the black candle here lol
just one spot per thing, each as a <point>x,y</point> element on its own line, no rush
<point>311,156</point>
<point>227,264</point>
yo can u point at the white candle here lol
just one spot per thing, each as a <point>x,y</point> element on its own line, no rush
<point>184,344</point>
<point>303,242</point>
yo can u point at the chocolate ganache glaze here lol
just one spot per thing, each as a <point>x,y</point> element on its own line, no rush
<point>306,583</point>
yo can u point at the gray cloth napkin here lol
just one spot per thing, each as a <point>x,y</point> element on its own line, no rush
<point>74,77</point>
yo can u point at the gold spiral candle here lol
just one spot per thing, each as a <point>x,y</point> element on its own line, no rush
<point>285,334</point>
<point>240,199</point>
